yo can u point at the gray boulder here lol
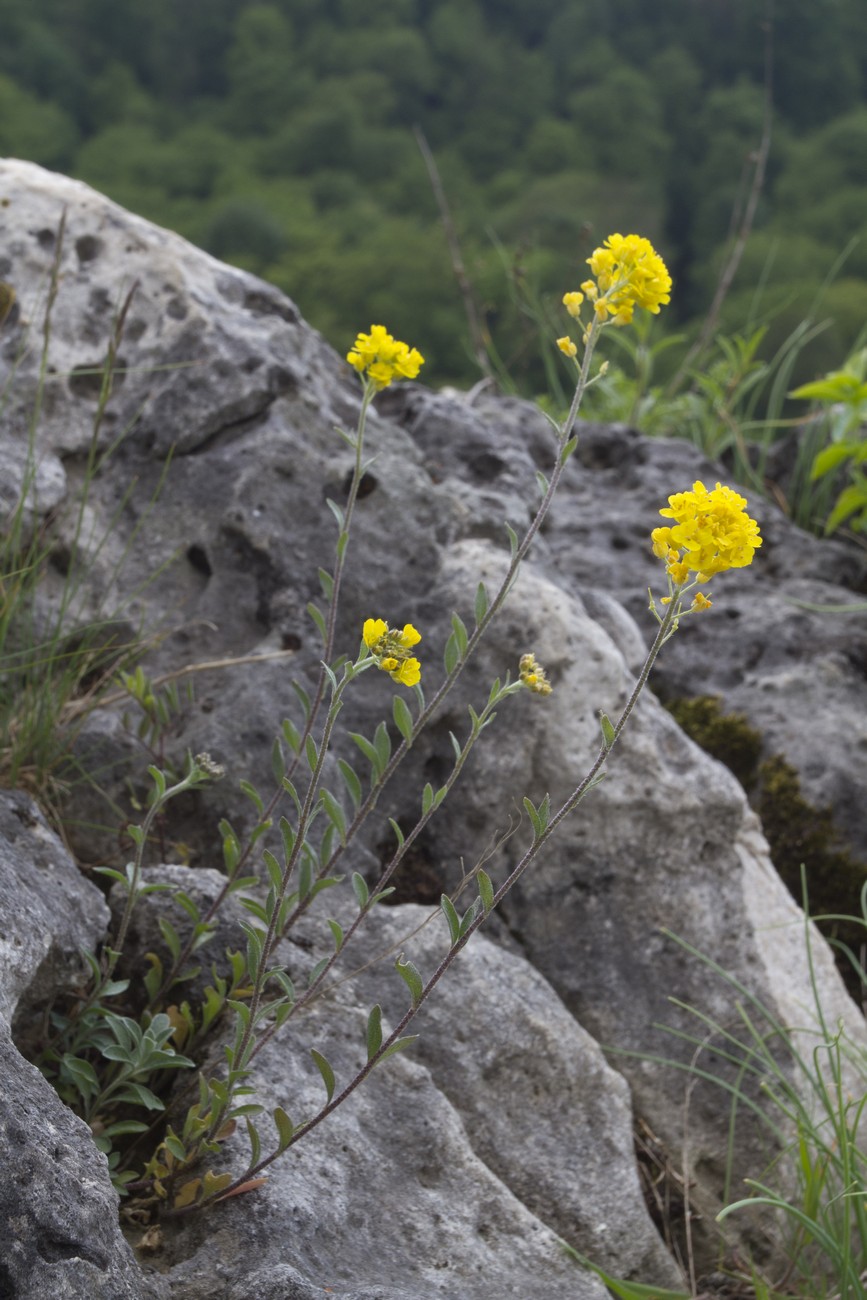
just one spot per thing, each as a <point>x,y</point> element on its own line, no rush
<point>221,552</point>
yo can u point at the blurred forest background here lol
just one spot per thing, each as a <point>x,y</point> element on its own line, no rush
<point>280,137</point>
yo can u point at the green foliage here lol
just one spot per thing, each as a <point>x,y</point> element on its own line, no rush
<point>242,124</point>
<point>843,395</point>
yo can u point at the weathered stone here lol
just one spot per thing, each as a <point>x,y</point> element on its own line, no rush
<point>666,841</point>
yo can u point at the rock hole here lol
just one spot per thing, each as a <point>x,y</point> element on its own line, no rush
<point>199,560</point>
<point>7,1286</point>
<point>369,483</point>
<point>88,247</point>
<point>289,641</point>
<point>619,543</point>
<point>45,238</point>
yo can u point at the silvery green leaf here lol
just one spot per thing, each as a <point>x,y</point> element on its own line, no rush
<point>402,717</point>
<point>303,697</point>
<point>427,798</point>
<point>460,633</point>
<point>398,832</point>
<point>351,781</point>
<point>359,885</point>
<point>451,655</point>
<point>607,729</point>
<point>568,449</point>
<point>252,793</point>
<point>448,910</point>
<point>170,935</point>
<point>337,933</point>
<point>367,750</point>
<point>335,813</point>
<point>311,754</point>
<point>542,481</point>
<point>291,735</point>
<point>480,608</point>
<point>278,760</point>
<point>411,977</point>
<point>255,1141</point>
<point>287,834</point>
<point>382,745</point>
<point>374,1031</point>
<point>513,540</point>
<point>285,1127</point>
<point>326,582</point>
<point>325,1070</point>
<point>398,1045</point>
<point>275,871</point>
<point>317,971</point>
<point>456,746</point>
<point>486,890</point>
<point>469,916</point>
<point>336,511</point>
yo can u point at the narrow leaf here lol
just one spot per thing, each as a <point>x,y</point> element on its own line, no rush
<point>402,717</point>
<point>325,1070</point>
<point>411,977</point>
<point>359,885</point>
<point>480,607</point>
<point>607,729</point>
<point>448,910</point>
<point>351,781</point>
<point>486,890</point>
<point>374,1031</point>
<point>285,1127</point>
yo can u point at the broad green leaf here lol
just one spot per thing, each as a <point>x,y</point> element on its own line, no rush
<point>451,655</point>
<point>359,885</point>
<point>291,735</point>
<point>382,745</point>
<point>399,1045</point>
<point>460,633</point>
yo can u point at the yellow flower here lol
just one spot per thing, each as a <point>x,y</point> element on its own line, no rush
<point>532,674</point>
<point>712,532</point>
<point>629,273</point>
<point>390,646</point>
<point>566,345</point>
<point>572,302</point>
<point>383,357</point>
<point>700,601</point>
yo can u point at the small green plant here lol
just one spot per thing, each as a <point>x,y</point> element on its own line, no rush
<point>841,397</point>
<point>55,664</point>
<point>807,1085</point>
<point>304,831</point>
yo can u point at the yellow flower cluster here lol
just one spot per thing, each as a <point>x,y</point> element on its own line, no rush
<point>384,358</point>
<point>629,273</point>
<point>390,647</point>
<point>532,674</point>
<point>712,532</point>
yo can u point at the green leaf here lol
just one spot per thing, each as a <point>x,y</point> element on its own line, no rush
<point>513,540</point>
<point>325,1070</point>
<point>451,655</point>
<point>359,885</point>
<point>291,735</point>
<point>402,717</point>
<point>252,793</point>
<point>607,729</point>
<point>351,781</point>
<point>534,817</point>
<point>542,482</point>
<point>374,1031</point>
<point>170,935</point>
<point>367,750</point>
<point>829,458</point>
<point>850,500</point>
<point>411,977</point>
<point>336,511</point>
<point>311,754</point>
<point>480,608</point>
<point>334,813</point>
<point>460,633</point>
<point>337,933</point>
<point>275,871</point>
<point>382,745</point>
<point>326,582</point>
<point>255,1141</point>
<point>427,798</point>
<point>486,890</point>
<point>398,832</point>
<point>448,910</point>
<point>285,1128</point>
<point>469,916</point>
<point>317,971</point>
<point>318,618</point>
<point>139,1095</point>
<point>303,697</point>
<point>278,760</point>
<point>568,449</point>
<point>398,1045</point>
<point>456,746</point>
